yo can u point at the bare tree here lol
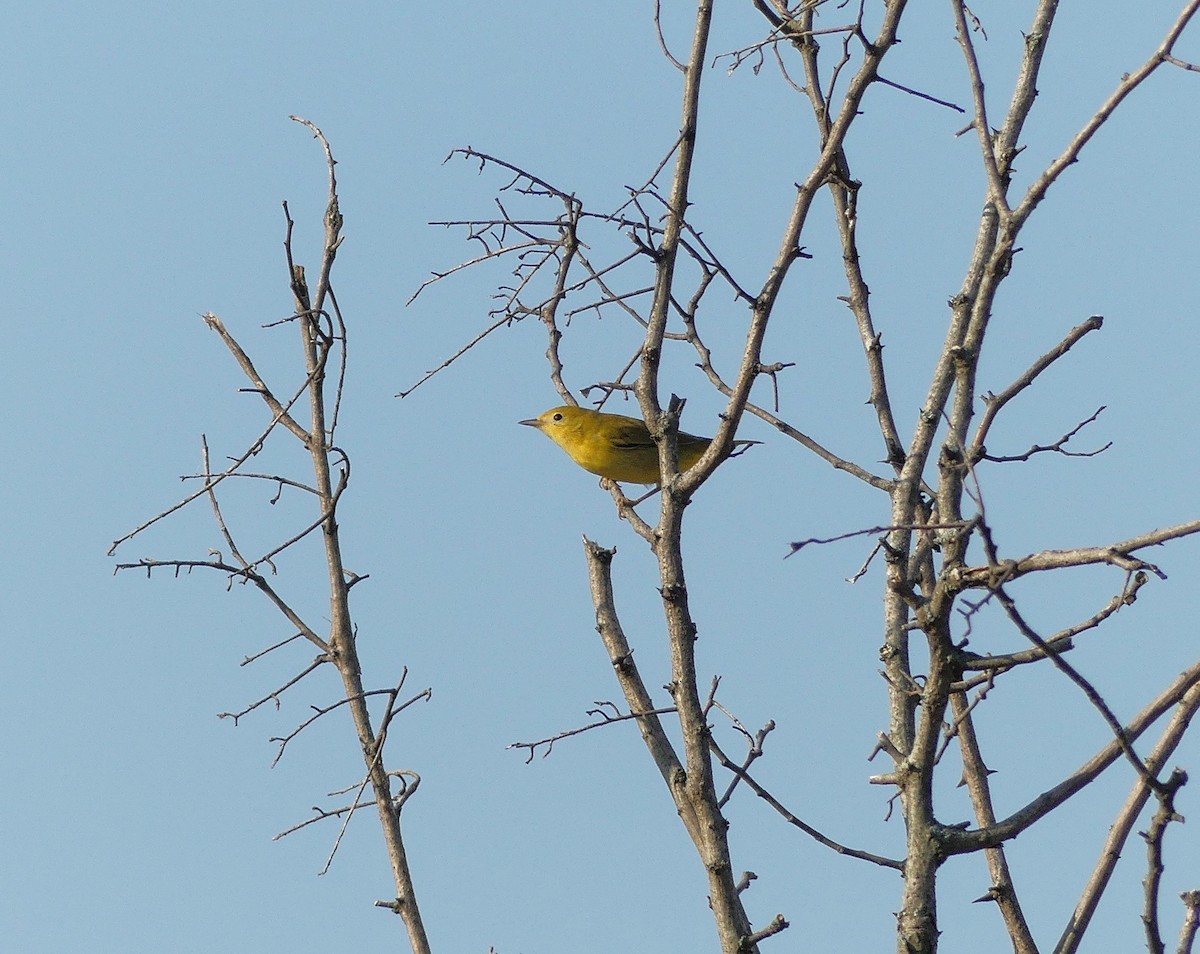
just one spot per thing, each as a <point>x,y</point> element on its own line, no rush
<point>943,562</point>
<point>323,352</point>
<point>941,551</point>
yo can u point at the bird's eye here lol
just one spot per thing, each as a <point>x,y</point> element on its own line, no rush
<point>558,417</point>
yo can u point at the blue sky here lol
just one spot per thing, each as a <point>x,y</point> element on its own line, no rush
<point>148,149</point>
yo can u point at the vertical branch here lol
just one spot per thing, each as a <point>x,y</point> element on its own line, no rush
<point>975,773</point>
<point>569,232</point>
<point>833,136</point>
<point>608,625</point>
<point>844,191</point>
<point>1191,921</point>
<point>997,181</point>
<point>1154,836</point>
<point>316,342</point>
<point>682,632</point>
<point>698,791</point>
<point>950,399</point>
<point>1004,149</point>
<point>667,251</point>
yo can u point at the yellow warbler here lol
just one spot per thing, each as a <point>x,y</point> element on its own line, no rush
<point>612,445</point>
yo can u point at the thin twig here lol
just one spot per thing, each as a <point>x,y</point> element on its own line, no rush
<point>796,822</point>
<point>549,741</point>
<point>1058,447</point>
<point>870,531</point>
<point>274,696</point>
<point>994,402</point>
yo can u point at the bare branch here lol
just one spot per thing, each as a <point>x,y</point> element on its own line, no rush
<point>1129,82</point>
<point>994,402</point>
<point>1058,447</point>
<point>1076,677</point>
<point>834,460</point>
<point>1191,921</point>
<point>320,711</point>
<point>1182,64</point>
<point>274,696</point>
<point>975,776</point>
<point>321,815</point>
<point>260,386</point>
<point>1188,702</point>
<point>1154,856</point>
<point>270,649</point>
<point>662,41</point>
<point>1184,692</point>
<point>254,448</point>
<point>778,924</point>
<point>987,147</point>
<point>789,252</point>
<point>1060,642</point>
<point>791,819</point>
<point>272,478</point>
<point>870,531</point>
<point>608,625</point>
<point>568,733</point>
<point>1116,554</point>
<point>499,323</point>
<point>234,573</point>
<point>919,94</point>
<point>754,743</point>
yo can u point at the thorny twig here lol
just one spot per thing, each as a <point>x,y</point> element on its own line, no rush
<point>607,719</point>
<point>1058,447</point>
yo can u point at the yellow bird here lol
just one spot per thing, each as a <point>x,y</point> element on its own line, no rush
<point>614,446</point>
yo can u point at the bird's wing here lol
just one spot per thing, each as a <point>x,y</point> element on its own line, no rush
<point>630,435</point>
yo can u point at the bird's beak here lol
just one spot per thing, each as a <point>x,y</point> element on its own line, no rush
<point>533,423</point>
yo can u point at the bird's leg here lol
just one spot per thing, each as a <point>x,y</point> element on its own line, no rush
<point>646,496</point>
<point>622,500</point>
